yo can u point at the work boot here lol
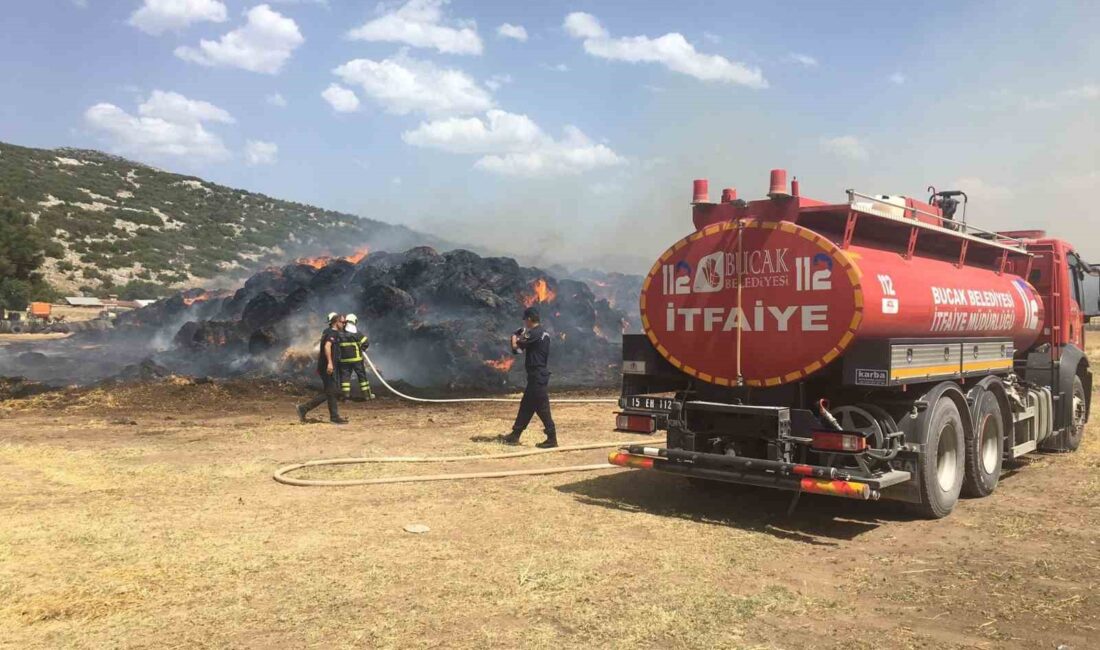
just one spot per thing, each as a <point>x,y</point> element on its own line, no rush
<point>510,439</point>
<point>549,443</point>
<point>339,420</point>
<point>301,414</point>
<point>370,394</point>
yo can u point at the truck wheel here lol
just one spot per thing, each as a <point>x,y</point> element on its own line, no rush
<point>984,448</point>
<point>1076,431</point>
<point>942,461</point>
<point>1069,438</point>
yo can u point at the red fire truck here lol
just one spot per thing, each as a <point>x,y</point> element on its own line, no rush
<point>875,348</point>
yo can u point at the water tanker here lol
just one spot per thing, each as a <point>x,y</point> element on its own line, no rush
<point>871,348</point>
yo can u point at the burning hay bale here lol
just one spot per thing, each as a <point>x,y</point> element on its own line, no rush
<point>434,319</point>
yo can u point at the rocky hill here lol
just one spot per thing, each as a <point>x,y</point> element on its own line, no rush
<point>114,224</point>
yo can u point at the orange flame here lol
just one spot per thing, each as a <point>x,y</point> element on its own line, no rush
<point>503,364</point>
<point>598,332</point>
<point>541,292</point>
<point>324,260</point>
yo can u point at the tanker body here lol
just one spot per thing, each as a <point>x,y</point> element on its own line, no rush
<point>872,348</point>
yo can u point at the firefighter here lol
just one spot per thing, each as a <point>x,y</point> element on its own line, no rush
<point>328,366</point>
<point>535,343</point>
<point>351,359</point>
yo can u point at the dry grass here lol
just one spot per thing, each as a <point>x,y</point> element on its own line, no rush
<point>146,517</point>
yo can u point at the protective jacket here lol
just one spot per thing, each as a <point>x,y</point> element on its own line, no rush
<point>352,346</point>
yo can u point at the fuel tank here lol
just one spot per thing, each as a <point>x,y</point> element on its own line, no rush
<point>765,302</point>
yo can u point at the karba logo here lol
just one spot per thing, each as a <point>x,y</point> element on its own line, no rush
<point>710,274</point>
<point>676,279</point>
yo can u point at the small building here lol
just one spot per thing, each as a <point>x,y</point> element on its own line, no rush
<point>81,301</point>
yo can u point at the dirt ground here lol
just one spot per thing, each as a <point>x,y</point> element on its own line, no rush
<point>146,516</point>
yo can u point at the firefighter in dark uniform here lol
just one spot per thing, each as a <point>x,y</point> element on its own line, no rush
<point>328,366</point>
<point>351,359</point>
<point>535,343</point>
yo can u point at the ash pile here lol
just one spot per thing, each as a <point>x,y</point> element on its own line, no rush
<point>438,320</point>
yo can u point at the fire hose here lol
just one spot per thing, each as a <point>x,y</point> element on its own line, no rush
<point>457,400</point>
<point>280,475</point>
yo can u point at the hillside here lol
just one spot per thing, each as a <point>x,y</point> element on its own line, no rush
<point>112,222</point>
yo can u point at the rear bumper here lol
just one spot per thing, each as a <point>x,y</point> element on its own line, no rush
<point>752,471</point>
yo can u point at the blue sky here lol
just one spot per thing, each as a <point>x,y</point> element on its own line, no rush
<point>576,138</point>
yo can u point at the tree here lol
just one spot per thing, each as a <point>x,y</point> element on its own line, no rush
<point>22,251</point>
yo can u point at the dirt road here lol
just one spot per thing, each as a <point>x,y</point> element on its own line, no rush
<point>145,516</point>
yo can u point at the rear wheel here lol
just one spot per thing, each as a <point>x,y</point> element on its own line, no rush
<point>942,461</point>
<point>984,447</point>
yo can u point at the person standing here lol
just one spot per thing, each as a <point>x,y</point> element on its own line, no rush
<point>535,343</point>
<point>328,366</point>
<point>351,359</point>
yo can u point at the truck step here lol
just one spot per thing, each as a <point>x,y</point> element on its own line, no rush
<point>1021,449</point>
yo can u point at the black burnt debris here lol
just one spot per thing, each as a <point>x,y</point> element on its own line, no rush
<point>438,320</point>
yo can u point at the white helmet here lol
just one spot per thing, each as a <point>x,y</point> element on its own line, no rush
<point>352,318</point>
<point>332,315</point>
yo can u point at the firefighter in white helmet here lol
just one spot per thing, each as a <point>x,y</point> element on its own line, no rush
<point>351,359</point>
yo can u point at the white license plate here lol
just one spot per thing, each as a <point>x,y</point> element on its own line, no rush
<point>644,403</point>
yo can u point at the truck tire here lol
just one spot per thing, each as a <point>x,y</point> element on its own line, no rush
<point>1069,438</point>
<point>942,460</point>
<point>984,447</point>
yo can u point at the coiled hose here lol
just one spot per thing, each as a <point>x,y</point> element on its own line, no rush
<point>281,473</point>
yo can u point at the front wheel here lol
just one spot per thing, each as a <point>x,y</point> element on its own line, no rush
<point>942,461</point>
<point>1069,438</point>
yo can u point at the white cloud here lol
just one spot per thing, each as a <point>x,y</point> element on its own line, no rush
<point>341,99</point>
<point>711,37</point>
<point>404,85</point>
<point>671,50</point>
<point>158,16</point>
<point>1083,181</point>
<point>258,152</point>
<point>167,124</point>
<point>496,81</point>
<point>276,99</point>
<point>174,107</point>
<point>500,132</point>
<point>508,30</point>
<point>976,188</point>
<point>581,25</point>
<point>804,60</point>
<point>897,78</point>
<point>263,44</point>
<point>846,146</point>
<point>420,23</point>
<point>513,145</point>
<point>560,67</point>
<point>574,154</point>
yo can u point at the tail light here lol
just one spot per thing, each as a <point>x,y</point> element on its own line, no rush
<point>842,441</point>
<point>635,423</point>
<point>629,460</point>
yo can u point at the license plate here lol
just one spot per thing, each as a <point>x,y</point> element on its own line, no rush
<point>644,403</point>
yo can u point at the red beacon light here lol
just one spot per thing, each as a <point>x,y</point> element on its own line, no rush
<point>778,185</point>
<point>700,191</point>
